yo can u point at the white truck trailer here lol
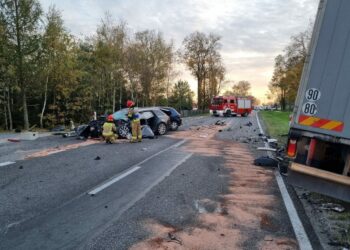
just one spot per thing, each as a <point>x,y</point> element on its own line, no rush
<point>319,137</point>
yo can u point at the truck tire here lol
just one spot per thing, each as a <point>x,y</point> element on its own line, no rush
<point>228,113</point>
<point>244,114</point>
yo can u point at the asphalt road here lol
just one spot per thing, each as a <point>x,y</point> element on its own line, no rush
<point>102,196</point>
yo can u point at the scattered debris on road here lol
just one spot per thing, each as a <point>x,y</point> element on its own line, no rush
<point>13,140</point>
<point>97,158</point>
<point>220,123</point>
<point>225,224</point>
<point>58,149</point>
<point>332,206</point>
<point>266,161</point>
<point>249,124</point>
<point>173,238</point>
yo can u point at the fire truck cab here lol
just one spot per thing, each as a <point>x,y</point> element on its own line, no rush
<point>230,106</point>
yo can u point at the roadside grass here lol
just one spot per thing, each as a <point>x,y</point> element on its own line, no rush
<point>277,123</point>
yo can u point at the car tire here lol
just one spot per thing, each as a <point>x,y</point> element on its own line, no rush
<point>161,129</point>
<point>174,126</point>
<point>124,131</point>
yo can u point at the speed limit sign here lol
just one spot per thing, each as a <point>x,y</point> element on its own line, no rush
<point>313,95</point>
<point>309,108</point>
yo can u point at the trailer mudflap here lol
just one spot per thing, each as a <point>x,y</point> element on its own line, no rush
<point>320,181</point>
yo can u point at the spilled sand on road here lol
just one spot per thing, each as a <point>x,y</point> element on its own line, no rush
<point>58,149</point>
<point>246,213</point>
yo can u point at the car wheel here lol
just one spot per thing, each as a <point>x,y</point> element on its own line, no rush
<point>124,131</point>
<point>161,130</point>
<point>174,126</point>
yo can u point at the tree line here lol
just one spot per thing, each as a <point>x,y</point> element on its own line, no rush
<point>48,76</point>
<point>288,68</point>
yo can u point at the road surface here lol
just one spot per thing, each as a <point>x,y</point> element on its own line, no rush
<point>195,188</point>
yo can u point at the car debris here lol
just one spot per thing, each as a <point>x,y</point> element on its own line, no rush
<point>13,140</point>
<point>249,124</point>
<point>220,123</point>
<point>332,206</point>
<point>58,128</point>
<point>267,149</point>
<point>70,134</point>
<point>266,161</point>
<point>173,238</point>
<point>271,140</point>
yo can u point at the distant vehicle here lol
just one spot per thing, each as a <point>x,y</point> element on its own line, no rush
<point>175,117</point>
<point>230,106</point>
<point>319,136</point>
<point>156,119</point>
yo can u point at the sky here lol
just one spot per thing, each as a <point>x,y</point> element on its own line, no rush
<point>253,32</point>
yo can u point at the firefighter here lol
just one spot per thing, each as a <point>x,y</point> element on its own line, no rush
<point>134,118</point>
<point>109,130</point>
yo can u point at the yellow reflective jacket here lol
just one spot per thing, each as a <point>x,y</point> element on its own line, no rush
<point>109,128</point>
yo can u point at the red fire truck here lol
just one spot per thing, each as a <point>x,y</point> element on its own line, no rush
<point>230,106</point>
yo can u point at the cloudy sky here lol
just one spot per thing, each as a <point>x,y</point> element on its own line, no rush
<point>253,31</point>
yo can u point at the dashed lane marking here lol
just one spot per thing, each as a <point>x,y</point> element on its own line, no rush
<point>134,168</point>
<point>114,180</point>
<point>2,164</point>
<point>299,231</point>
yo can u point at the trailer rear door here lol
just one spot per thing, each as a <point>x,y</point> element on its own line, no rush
<point>323,101</point>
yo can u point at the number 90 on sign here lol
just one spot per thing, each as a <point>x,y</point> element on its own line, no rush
<point>310,108</point>
<point>313,95</point>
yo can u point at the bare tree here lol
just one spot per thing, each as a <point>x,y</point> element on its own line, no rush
<point>201,56</point>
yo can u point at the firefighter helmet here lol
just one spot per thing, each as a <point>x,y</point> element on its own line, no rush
<point>130,104</point>
<point>110,118</point>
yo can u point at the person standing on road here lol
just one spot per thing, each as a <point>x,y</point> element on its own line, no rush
<point>134,118</point>
<point>109,130</point>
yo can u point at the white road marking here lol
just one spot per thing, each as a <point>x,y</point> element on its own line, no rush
<point>136,167</point>
<point>114,180</point>
<point>2,164</point>
<point>299,231</point>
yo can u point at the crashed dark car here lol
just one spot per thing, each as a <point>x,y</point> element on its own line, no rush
<point>175,117</point>
<point>92,130</point>
<point>157,120</point>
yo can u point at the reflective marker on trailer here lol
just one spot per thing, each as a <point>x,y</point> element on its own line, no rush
<point>292,148</point>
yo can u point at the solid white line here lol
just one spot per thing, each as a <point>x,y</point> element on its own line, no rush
<point>6,163</point>
<point>304,242</point>
<point>299,231</point>
<point>132,169</point>
<point>113,180</point>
